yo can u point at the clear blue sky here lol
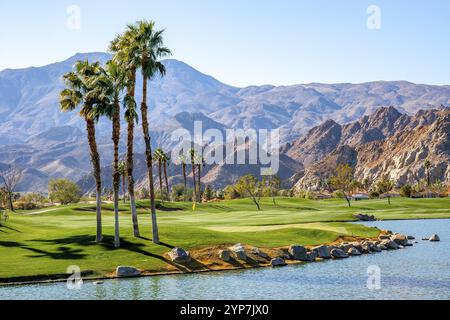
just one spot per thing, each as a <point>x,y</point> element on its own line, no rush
<point>244,42</point>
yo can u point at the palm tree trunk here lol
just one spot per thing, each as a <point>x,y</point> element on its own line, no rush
<point>183,165</point>
<point>130,164</point>
<point>149,156</point>
<point>116,173</point>
<point>160,179</point>
<point>123,188</point>
<point>199,183</point>
<point>194,196</point>
<point>166,180</point>
<point>95,160</point>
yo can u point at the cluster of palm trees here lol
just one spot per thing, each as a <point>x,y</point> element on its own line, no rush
<point>102,91</point>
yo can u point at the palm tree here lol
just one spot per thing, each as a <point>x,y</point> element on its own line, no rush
<point>159,156</point>
<point>166,159</point>
<point>126,56</point>
<point>151,49</point>
<point>427,166</point>
<point>78,92</point>
<point>111,83</point>
<point>182,161</point>
<point>193,157</point>
<point>123,172</point>
<point>200,163</point>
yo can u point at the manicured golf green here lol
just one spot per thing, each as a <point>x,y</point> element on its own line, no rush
<point>45,244</point>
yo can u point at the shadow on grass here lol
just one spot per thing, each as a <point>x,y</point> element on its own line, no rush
<point>9,228</point>
<point>62,253</point>
<point>108,244</point>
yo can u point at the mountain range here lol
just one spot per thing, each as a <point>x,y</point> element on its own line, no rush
<point>315,120</point>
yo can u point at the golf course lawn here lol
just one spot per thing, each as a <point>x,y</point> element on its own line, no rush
<point>39,245</point>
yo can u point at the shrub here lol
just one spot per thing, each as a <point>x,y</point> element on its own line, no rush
<point>374,194</point>
<point>406,190</point>
<point>230,193</point>
<point>338,194</point>
<point>208,194</point>
<point>284,193</point>
<point>30,201</point>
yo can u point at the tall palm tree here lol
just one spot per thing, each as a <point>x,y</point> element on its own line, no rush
<point>159,157</point>
<point>123,173</point>
<point>78,92</point>
<point>151,48</point>
<point>182,161</point>
<point>110,83</point>
<point>126,55</point>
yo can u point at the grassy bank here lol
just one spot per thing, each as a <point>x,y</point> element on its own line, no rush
<point>45,244</point>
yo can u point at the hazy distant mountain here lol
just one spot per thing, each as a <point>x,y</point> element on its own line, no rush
<point>35,135</point>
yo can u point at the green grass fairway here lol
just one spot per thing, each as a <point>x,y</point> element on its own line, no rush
<point>47,243</point>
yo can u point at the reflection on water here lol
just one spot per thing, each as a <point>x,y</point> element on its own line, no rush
<point>419,272</point>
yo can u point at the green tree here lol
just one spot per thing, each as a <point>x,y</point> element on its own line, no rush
<point>126,56</point>
<point>79,92</point>
<point>273,183</point>
<point>250,186</point>
<point>384,186</point>
<point>158,156</point>
<point>64,191</point>
<point>109,85</point>
<point>343,181</point>
<point>151,49</point>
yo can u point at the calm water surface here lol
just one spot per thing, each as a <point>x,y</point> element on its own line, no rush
<point>419,272</point>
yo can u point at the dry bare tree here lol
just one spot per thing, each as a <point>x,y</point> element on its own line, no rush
<point>9,179</point>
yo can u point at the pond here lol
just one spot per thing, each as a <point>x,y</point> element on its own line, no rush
<point>418,272</point>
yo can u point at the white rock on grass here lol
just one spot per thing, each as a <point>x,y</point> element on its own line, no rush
<point>123,271</point>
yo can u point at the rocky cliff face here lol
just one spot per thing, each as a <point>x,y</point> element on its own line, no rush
<point>388,143</point>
